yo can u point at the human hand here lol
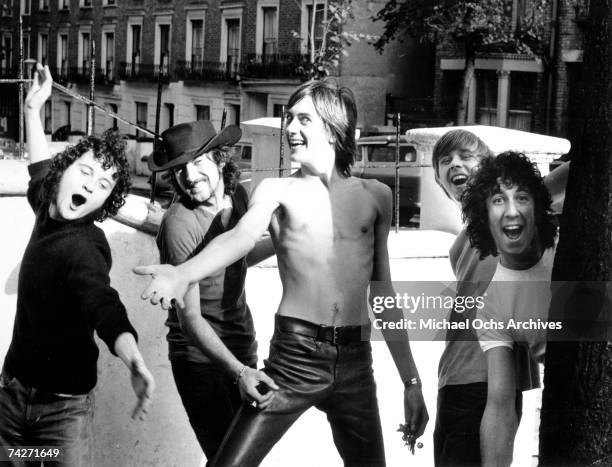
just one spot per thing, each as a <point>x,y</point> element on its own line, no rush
<point>255,385</point>
<point>40,90</point>
<point>415,411</point>
<point>166,285</point>
<point>144,386</point>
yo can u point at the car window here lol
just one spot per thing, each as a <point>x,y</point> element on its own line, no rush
<point>386,153</point>
<point>242,155</point>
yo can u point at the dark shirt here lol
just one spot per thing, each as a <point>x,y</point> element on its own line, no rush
<point>64,294</point>
<point>184,231</point>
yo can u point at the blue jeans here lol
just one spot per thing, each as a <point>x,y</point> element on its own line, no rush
<point>311,371</point>
<point>211,399</point>
<point>31,417</point>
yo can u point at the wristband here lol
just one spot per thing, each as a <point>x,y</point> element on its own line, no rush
<point>413,382</point>
<point>241,373</point>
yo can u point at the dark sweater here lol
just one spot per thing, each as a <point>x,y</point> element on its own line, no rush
<point>64,294</point>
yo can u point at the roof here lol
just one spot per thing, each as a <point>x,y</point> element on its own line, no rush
<point>498,139</point>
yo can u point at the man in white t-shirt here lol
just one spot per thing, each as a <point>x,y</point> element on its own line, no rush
<point>508,212</point>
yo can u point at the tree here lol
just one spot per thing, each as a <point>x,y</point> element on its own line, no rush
<point>324,59</point>
<point>473,26</point>
<point>576,423</point>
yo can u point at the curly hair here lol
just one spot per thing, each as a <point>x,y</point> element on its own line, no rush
<point>230,171</point>
<point>109,150</point>
<point>512,168</point>
<point>336,107</point>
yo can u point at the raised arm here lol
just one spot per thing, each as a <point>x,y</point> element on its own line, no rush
<point>171,282</point>
<point>499,421</point>
<point>206,339</point>
<point>38,94</point>
<point>399,346</point>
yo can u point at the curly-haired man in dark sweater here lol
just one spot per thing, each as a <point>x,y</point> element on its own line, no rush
<point>64,295</point>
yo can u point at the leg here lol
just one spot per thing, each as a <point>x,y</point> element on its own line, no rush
<point>65,422</point>
<point>352,408</point>
<point>13,400</point>
<point>211,401</point>
<point>457,432</point>
<point>302,368</point>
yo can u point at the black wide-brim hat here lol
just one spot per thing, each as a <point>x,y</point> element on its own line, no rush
<point>187,141</point>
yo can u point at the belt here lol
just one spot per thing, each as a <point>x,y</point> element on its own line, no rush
<point>337,335</point>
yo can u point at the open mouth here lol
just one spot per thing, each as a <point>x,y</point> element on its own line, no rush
<point>295,143</point>
<point>78,200</point>
<point>458,179</point>
<point>513,232</point>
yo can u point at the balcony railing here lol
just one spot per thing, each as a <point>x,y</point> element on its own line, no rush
<point>206,71</point>
<point>275,66</point>
<point>142,71</point>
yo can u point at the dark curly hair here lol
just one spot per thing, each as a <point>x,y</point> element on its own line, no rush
<point>109,150</point>
<point>230,171</point>
<point>336,107</point>
<point>512,168</point>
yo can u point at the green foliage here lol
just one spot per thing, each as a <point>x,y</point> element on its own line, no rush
<point>476,24</point>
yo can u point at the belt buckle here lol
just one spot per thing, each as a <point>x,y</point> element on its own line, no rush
<point>335,335</point>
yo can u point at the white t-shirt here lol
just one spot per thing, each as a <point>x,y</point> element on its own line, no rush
<point>516,307</point>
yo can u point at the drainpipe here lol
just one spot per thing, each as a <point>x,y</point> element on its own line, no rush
<point>551,57</point>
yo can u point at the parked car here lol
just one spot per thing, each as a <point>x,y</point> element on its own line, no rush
<point>376,159</point>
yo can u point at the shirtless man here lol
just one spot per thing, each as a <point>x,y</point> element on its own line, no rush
<point>330,235</point>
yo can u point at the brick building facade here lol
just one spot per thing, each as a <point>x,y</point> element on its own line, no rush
<point>518,91</point>
<point>239,55</point>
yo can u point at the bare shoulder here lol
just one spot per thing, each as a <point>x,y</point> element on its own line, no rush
<point>270,189</point>
<point>379,191</point>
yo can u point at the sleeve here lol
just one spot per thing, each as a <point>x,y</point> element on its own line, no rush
<point>177,240</point>
<point>38,171</point>
<point>491,328</point>
<point>89,278</point>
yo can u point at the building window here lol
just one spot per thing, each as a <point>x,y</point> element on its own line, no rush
<point>233,43</point>
<point>64,4</point>
<point>67,106</point>
<point>141,117</point>
<point>62,55</point>
<point>44,5</point>
<point>277,110</point>
<point>85,3</point>
<point>270,32</point>
<point>202,112</point>
<point>134,33</point>
<point>522,99</point>
<point>486,97</point>
<point>197,42</point>
<point>162,47</point>
<point>43,48</point>
<point>234,114</point>
<point>48,117</point>
<point>7,7</point>
<point>318,27</point>
<point>84,52</point>
<point>110,2</point>
<point>26,46</point>
<point>6,61</point>
<point>114,109</point>
<point>24,7</point>
<point>168,116</point>
<point>108,55</point>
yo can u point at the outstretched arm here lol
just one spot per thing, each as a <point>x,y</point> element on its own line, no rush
<point>499,421</point>
<point>38,94</point>
<point>142,379</point>
<point>399,346</point>
<point>205,338</point>
<point>171,282</point>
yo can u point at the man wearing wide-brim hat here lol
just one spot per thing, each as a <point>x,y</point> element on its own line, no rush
<point>212,339</point>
